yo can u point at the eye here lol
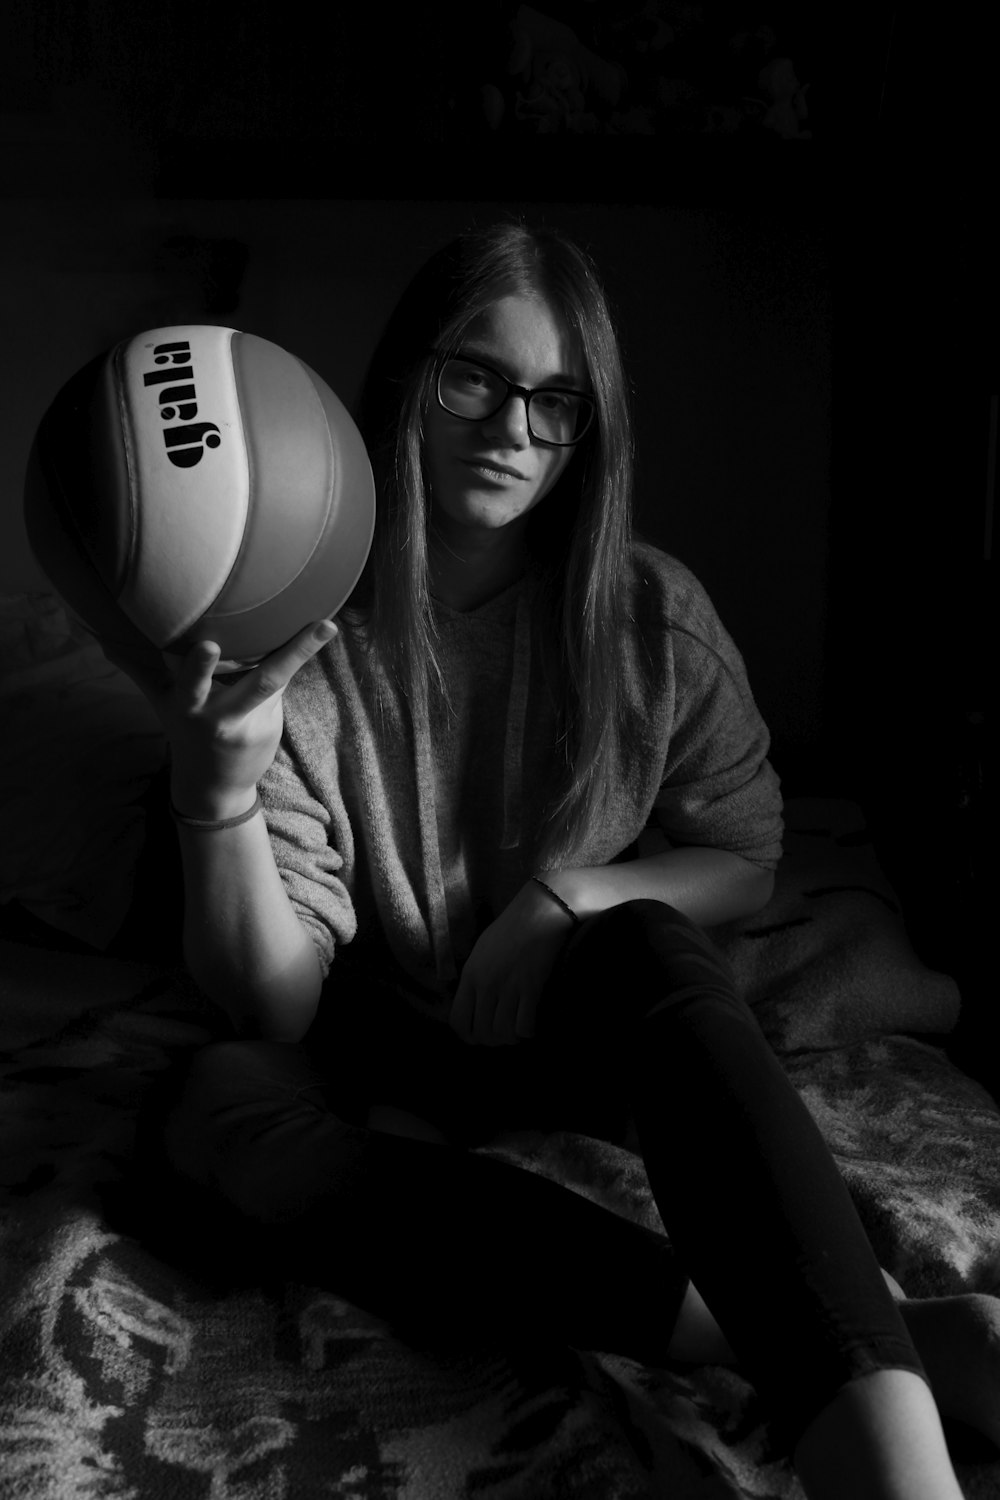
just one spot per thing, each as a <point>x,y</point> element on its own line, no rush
<point>475,379</point>
<point>469,390</point>
<point>556,401</point>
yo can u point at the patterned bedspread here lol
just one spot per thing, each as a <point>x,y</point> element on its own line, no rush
<point>123,1376</point>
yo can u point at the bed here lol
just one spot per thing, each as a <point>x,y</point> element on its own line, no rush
<point>123,1374</point>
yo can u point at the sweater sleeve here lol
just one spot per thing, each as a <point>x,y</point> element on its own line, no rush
<point>718,788</point>
<point>299,827</point>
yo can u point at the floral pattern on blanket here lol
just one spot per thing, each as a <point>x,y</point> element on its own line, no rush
<point>122,1376</point>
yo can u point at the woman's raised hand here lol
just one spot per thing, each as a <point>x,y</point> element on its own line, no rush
<point>223,735</point>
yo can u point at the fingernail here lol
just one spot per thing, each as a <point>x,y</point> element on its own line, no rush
<point>325,631</point>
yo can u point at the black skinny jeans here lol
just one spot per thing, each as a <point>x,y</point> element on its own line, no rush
<point>641,1018</point>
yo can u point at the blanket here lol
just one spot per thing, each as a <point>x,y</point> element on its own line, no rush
<point>123,1375</point>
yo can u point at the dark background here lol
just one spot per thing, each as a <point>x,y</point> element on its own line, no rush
<point>808,305</point>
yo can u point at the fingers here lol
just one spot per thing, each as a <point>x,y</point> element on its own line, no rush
<point>485,1018</point>
<point>524,1024</point>
<point>275,672</point>
<point>194,675</point>
<point>505,1016</point>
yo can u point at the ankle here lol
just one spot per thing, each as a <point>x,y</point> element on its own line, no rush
<point>880,1438</point>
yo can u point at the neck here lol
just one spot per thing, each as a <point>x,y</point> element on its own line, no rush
<point>469,569</point>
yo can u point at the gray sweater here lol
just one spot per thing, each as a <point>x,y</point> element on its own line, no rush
<point>405,839</point>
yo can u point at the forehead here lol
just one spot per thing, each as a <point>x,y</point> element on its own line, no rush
<point>526,338</point>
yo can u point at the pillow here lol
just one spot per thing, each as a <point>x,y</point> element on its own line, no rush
<point>828,962</point>
<point>79,748</point>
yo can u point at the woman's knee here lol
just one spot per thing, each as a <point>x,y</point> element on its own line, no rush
<point>643,957</point>
<point>637,921</point>
<point>253,1123</point>
<point>223,1071</point>
<point>217,1084</point>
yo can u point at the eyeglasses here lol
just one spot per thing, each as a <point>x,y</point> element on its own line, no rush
<point>473,391</point>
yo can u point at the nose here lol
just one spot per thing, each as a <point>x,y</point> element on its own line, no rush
<point>510,424</point>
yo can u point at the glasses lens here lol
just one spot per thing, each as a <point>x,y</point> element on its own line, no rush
<point>554,416</point>
<point>470,391</point>
<point>559,416</point>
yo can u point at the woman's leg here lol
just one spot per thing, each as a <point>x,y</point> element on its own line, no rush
<point>957,1338</point>
<point>433,1238</point>
<point>749,1193</point>
<point>755,1206</point>
<point>430,1236</point>
<point>879,1438</point>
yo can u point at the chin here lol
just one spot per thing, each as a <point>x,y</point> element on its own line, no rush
<point>481,513</point>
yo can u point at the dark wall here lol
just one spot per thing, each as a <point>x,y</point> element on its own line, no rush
<point>725,317</point>
<point>809,315</point>
<point>911,645</point>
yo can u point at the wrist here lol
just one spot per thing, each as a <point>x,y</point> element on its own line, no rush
<point>556,898</point>
<point>217,825</point>
<point>208,805</point>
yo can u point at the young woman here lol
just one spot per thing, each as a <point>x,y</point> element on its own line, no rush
<point>449,866</point>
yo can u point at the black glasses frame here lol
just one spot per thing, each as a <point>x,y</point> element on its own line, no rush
<point>525,392</point>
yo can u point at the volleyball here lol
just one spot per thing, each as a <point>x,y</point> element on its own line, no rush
<point>199,483</point>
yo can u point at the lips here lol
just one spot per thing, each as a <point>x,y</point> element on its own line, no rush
<point>490,466</point>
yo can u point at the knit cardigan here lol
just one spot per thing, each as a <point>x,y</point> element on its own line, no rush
<point>399,836</point>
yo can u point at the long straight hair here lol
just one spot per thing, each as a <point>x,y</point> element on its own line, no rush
<point>579,538</point>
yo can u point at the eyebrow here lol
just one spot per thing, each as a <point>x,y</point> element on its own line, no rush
<point>476,356</point>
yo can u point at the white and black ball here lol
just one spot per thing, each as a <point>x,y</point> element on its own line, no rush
<point>197,483</point>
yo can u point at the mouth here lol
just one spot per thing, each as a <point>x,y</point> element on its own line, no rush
<point>499,473</point>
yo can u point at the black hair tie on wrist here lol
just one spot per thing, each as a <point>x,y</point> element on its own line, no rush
<point>206,825</point>
<point>558,900</point>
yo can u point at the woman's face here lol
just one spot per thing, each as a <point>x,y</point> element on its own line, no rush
<point>484,475</point>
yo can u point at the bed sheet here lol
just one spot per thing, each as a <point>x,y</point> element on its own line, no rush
<point>124,1375</point>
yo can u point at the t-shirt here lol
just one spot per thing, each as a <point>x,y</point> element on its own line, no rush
<point>400,835</point>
